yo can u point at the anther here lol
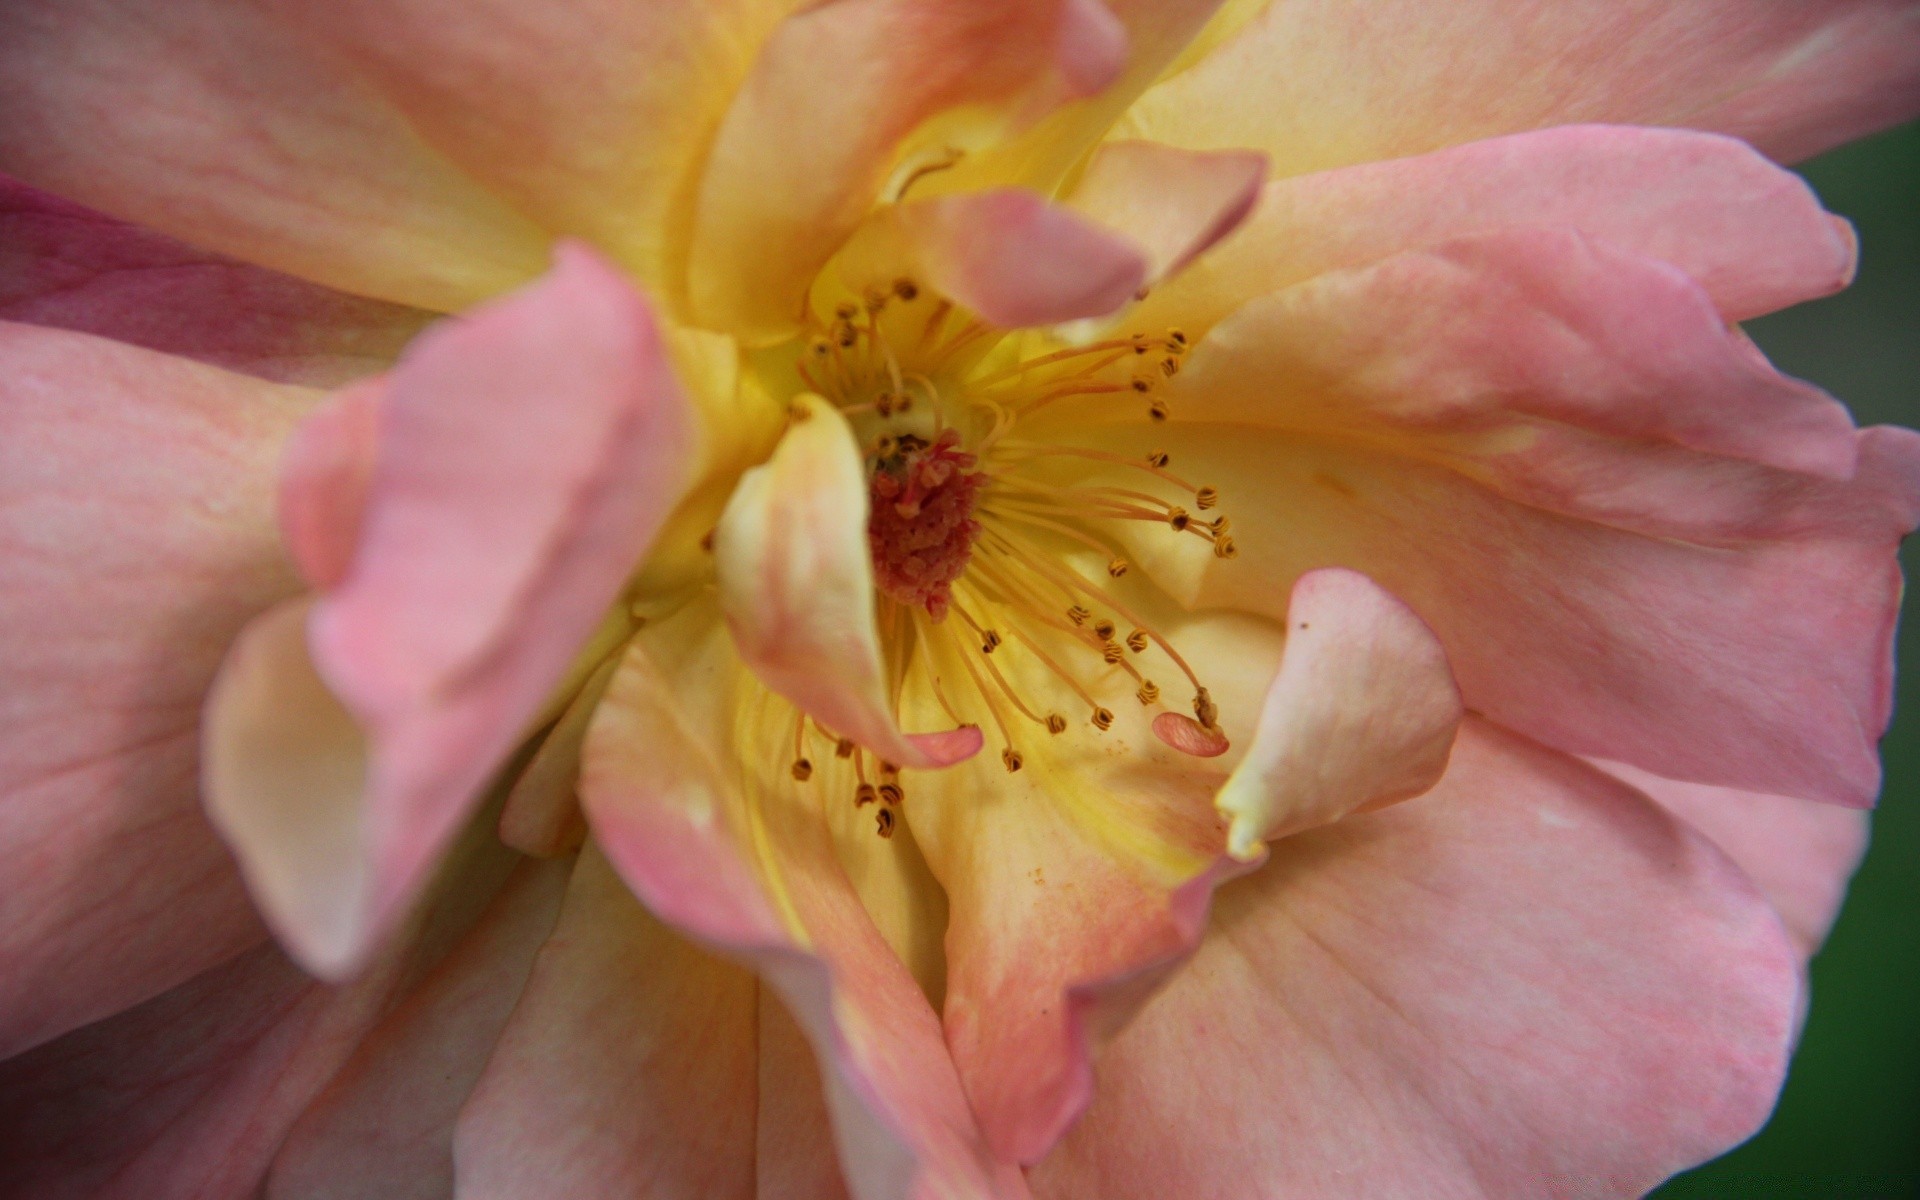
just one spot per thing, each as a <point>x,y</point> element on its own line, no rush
<point>1206,498</point>
<point>1103,719</point>
<point>891,793</point>
<point>886,446</point>
<point>1223,547</point>
<point>876,297</point>
<point>864,795</point>
<point>847,335</point>
<point>1158,459</point>
<point>1220,524</point>
<point>1137,641</point>
<point>706,541</point>
<point>1078,615</point>
<point>1149,692</point>
<point>1178,518</point>
<point>1142,383</point>
<point>1157,410</point>
<point>1103,629</point>
<point>1203,708</point>
<point>883,822</point>
<point>1117,567</point>
<point>819,345</point>
<point>906,290</point>
<point>1177,337</point>
<point>1012,759</point>
<point>799,413</point>
<point>883,404</point>
<point>1113,655</point>
<point>990,642</point>
<point>843,748</point>
<point>1056,723</point>
<point>802,770</point>
<point>845,311</point>
<point>1169,366</point>
<point>1140,343</point>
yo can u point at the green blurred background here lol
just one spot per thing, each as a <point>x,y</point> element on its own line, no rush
<point>1848,1124</point>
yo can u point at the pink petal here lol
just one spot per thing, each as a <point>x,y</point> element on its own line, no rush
<point>676,824</point>
<point>528,454</point>
<point>542,814</point>
<point>135,500</point>
<point>1560,371</point>
<point>1077,884</point>
<point>1762,664</point>
<point>1800,854</point>
<point>1753,235</point>
<point>191,1094</point>
<point>66,266</point>
<point>384,1125</point>
<point>796,583</point>
<point>324,480</point>
<point>797,166</point>
<point>1530,982</point>
<point>1361,715</point>
<point>627,1068</point>
<point>1339,85</point>
<point>1172,203</point>
<point>223,125</point>
<point>1017,260</point>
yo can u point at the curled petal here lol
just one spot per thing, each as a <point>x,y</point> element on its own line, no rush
<point>324,478</point>
<point>1172,203</point>
<point>1361,715</point>
<point>796,583</point>
<point>527,456</point>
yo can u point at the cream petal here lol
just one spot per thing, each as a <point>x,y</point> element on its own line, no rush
<point>1361,715</point>
<point>796,583</point>
<point>1172,203</point>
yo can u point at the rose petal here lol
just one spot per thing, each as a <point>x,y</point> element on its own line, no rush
<point>1172,203</point>
<point>1335,85</point>
<point>1800,854</point>
<point>740,857</point>
<point>68,267</point>
<point>1762,665</point>
<point>498,531</point>
<point>1752,235</point>
<point>135,493</point>
<point>324,479</point>
<point>796,582</point>
<point>796,165</point>
<point>1361,715</point>
<point>384,1125</point>
<point>220,124</point>
<point>1529,982</point>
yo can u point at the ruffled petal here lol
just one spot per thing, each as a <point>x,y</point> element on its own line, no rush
<point>1172,203</point>
<point>1752,235</point>
<point>498,531</point>
<point>1800,854</point>
<point>384,1125</point>
<point>1762,664</point>
<point>627,1068</point>
<point>68,267</point>
<point>1361,715</point>
<point>1078,882</point>
<point>1331,85</point>
<point>820,122</point>
<point>1530,982</point>
<point>796,582</point>
<point>224,125</point>
<point>135,524</point>
<point>686,787</point>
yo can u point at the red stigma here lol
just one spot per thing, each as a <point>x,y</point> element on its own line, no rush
<point>921,530</point>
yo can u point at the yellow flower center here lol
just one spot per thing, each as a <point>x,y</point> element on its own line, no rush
<point>978,521</point>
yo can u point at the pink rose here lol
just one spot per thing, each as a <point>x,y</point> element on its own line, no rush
<point>1024,598</point>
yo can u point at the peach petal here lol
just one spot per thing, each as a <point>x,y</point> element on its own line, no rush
<point>664,800</point>
<point>1362,714</point>
<point>224,125</point>
<point>112,623</point>
<point>1754,236</point>
<point>797,166</point>
<point>1335,85</point>
<point>1172,203</point>
<point>1530,981</point>
<point>796,583</point>
<point>65,266</point>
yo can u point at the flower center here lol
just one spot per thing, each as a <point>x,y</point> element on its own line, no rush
<point>989,536</point>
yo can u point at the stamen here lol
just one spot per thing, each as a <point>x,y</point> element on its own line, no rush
<point>883,822</point>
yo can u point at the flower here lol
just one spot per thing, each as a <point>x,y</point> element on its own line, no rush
<point>787,666</point>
